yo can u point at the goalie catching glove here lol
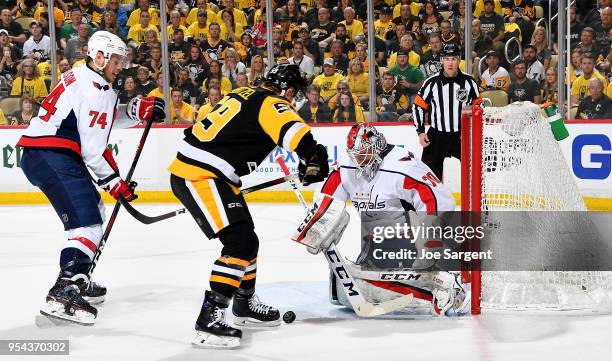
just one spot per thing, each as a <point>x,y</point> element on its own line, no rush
<point>324,224</point>
<point>146,109</point>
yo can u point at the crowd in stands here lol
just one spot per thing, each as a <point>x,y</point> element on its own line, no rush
<point>215,46</point>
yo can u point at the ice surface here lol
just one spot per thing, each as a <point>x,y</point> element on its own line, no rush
<point>157,275</point>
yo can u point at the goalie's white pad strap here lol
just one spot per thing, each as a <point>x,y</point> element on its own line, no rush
<point>324,223</point>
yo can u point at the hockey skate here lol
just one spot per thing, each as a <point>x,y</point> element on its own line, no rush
<point>249,311</point>
<point>65,303</point>
<point>212,329</point>
<point>95,293</point>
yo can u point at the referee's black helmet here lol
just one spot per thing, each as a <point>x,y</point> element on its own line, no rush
<point>451,49</point>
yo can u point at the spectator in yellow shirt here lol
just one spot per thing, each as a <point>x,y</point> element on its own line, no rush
<point>198,30</point>
<point>358,80</point>
<point>44,67</point>
<point>328,81</point>
<point>580,86</point>
<point>58,14</point>
<point>407,44</point>
<point>361,53</point>
<point>144,7</point>
<point>137,33</point>
<point>353,26</point>
<point>201,6</point>
<point>214,96</point>
<point>414,6</point>
<point>159,91</point>
<point>78,63</point>
<point>231,30</point>
<point>180,112</point>
<point>239,15</point>
<point>175,23</point>
<point>29,81</point>
<point>224,83</point>
<point>348,111</point>
<point>384,23</point>
<point>215,71</point>
<point>342,88</point>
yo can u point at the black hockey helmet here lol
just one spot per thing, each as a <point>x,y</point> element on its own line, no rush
<point>451,49</point>
<point>285,76</point>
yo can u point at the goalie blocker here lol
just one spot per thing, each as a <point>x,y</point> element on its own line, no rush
<point>324,224</point>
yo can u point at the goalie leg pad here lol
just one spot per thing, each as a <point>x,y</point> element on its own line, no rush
<point>324,224</point>
<point>386,284</point>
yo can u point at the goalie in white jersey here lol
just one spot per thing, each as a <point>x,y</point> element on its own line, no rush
<point>68,138</point>
<point>385,182</point>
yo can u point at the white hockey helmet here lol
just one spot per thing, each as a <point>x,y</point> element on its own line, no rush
<point>365,146</point>
<point>107,43</point>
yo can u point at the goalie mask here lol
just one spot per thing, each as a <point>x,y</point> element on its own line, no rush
<point>364,146</point>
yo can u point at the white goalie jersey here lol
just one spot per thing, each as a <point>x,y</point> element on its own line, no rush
<point>402,183</point>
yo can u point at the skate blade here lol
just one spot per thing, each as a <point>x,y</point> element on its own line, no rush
<point>44,321</point>
<point>247,322</point>
<point>55,313</point>
<point>207,340</point>
<point>94,300</point>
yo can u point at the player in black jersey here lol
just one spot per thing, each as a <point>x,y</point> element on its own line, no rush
<point>230,142</point>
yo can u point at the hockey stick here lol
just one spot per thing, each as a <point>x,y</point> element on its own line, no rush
<point>142,218</point>
<point>360,305</point>
<point>113,217</point>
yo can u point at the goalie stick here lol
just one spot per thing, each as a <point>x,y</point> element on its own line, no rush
<point>142,218</point>
<point>360,305</point>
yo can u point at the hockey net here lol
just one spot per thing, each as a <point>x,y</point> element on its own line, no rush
<point>511,162</point>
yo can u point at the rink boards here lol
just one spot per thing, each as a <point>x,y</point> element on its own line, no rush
<point>588,152</point>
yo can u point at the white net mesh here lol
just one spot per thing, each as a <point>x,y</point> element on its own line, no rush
<point>523,168</point>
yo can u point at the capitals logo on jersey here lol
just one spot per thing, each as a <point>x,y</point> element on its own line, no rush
<point>361,202</point>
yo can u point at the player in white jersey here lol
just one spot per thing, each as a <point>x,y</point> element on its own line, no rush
<point>70,135</point>
<point>384,182</point>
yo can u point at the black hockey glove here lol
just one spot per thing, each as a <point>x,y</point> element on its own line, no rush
<point>315,168</point>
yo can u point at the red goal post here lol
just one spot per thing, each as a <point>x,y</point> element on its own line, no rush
<point>471,187</point>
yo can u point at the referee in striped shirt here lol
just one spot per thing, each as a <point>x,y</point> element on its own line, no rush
<point>442,97</point>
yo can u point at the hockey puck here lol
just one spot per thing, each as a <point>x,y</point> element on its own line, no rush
<point>289,317</point>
